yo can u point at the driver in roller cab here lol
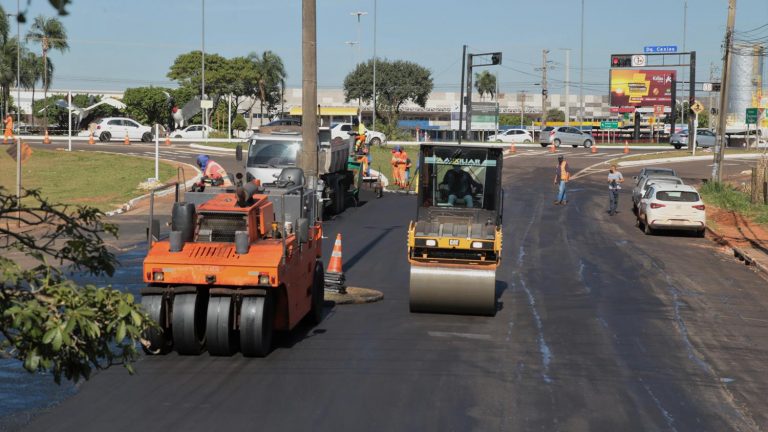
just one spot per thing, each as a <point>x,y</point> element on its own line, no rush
<point>461,185</point>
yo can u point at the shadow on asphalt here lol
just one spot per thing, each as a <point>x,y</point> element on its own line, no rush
<point>501,286</point>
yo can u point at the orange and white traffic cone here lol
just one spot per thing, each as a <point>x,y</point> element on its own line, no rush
<point>127,140</point>
<point>46,138</point>
<point>626,147</point>
<point>594,148</point>
<point>90,139</point>
<point>512,148</point>
<point>552,148</point>
<point>334,275</point>
<point>168,140</point>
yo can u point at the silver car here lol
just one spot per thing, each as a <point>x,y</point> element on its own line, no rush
<point>647,181</point>
<point>705,138</point>
<point>569,136</point>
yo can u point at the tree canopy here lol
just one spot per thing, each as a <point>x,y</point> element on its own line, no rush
<point>485,83</point>
<point>147,105</point>
<point>397,82</point>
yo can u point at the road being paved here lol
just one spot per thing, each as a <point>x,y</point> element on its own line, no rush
<point>600,328</point>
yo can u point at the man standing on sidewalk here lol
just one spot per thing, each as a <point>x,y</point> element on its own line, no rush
<point>561,179</point>
<point>614,186</point>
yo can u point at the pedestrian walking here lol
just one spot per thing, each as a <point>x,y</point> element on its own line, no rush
<point>615,179</point>
<point>562,176</point>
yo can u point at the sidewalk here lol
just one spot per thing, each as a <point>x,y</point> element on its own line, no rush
<point>747,240</point>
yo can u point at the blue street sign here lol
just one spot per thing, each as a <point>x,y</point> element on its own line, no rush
<point>660,49</point>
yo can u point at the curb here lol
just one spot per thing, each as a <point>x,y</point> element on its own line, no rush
<point>738,253</point>
<point>687,159</point>
<point>210,148</point>
<point>166,189</point>
<point>355,296</point>
<point>533,145</point>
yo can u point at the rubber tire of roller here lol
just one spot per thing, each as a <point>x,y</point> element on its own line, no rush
<point>188,323</point>
<point>220,336</point>
<point>256,326</point>
<point>159,342</point>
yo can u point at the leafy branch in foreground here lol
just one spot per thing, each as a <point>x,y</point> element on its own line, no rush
<point>48,321</point>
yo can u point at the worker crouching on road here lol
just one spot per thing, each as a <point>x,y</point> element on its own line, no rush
<point>399,163</point>
<point>562,176</point>
<point>212,172</point>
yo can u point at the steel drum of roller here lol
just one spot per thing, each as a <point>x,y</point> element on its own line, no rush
<point>453,290</point>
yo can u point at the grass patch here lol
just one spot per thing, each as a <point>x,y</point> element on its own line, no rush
<point>383,155</point>
<point>100,180</point>
<point>729,198</point>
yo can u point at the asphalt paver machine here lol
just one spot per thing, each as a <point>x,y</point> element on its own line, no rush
<point>238,264</point>
<point>454,245</point>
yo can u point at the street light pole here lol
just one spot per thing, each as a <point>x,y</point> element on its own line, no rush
<point>358,14</point>
<point>202,76</point>
<point>567,85</point>
<point>373,123</point>
<point>581,70</point>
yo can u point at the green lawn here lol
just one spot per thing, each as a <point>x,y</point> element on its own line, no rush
<point>100,180</point>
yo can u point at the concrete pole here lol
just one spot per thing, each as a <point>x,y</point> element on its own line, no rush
<point>309,89</point>
<point>581,70</point>
<point>567,86</point>
<point>202,76</point>
<point>544,94</point>
<point>717,166</point>
<point>229,117</point>
<point>157,152</point>
<point>373,122</point>
<point>69,120</point>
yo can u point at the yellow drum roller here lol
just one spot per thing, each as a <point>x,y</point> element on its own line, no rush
<point>454,245</point>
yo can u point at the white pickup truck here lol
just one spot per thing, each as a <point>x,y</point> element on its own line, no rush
<point>342,130</point>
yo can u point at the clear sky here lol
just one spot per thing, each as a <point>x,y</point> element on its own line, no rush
<point>117,43</point>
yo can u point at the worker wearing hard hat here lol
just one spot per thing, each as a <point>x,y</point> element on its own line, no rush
<point>213,171</point>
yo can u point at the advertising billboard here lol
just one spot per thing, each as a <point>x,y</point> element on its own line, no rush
<point>641,87</point>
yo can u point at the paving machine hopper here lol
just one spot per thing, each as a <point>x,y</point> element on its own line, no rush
<point>454,245</point>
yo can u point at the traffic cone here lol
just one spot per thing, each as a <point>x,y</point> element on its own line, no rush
<point>552,148</point>
<point>90,139</point>
<point>512,148</point>
<point>594,148</point>
<point>46,138</point>
<point>126,141</point>
<point>334,275</point>
<point>626,147</point>
<point>168,140</point>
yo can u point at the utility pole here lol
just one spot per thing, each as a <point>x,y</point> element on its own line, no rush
<point>567,86</point>
<point>469,97</point>
<point>581,71</point>
<point>522,109</point>
<point>544,91</point>
<point>309,90</point>
<point>717,166</point>
<point>691,98</point>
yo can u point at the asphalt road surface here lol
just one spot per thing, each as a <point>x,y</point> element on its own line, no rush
<point>600,328</point>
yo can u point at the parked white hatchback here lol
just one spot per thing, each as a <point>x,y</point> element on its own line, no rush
<point>118,127</point>
<point>671,207</point>
<point>193,131</point>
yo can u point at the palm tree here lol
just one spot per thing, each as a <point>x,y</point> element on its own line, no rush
<point>485,82</point>
<point>32,72</point>
<point>271,72</point>
<point>52,35</point>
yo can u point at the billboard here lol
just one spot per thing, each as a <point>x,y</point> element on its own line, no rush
<point>641,87</point>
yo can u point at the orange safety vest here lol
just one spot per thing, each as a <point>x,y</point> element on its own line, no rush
<point>215,171</point>
<point>564,175</point>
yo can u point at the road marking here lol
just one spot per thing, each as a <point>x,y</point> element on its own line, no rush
<point>474,336</point>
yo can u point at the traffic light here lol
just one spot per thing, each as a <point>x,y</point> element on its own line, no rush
<point>621,61</point>
<point>544,92</point>
<point>496,58</point>
<point>716,87</point>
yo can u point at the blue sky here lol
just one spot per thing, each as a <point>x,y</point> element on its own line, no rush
<point>117,44</point>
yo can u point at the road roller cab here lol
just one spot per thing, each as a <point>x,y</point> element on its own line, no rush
<point>237,264</point>
<point>454,245</point>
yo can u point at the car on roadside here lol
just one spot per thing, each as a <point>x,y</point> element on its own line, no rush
<point>517,136</point>
<point>343,131</point>
<point>645,182</point>
<point>705,138</point>
<point>671,207</point>
<point>544,135</point>
<point>118,127</point>
<point>193,131</point>
<point>569,136</point>
<point>654,171</point>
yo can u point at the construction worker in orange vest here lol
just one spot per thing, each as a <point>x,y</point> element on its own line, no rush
<point>8,128</point>
<point>212,171</point>
<point>562,175</point>
<point>399,162</point>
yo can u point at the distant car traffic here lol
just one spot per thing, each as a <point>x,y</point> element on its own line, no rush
<point>655,170</point>
<point>343,131</point>
<point>671,207</point>
<point>517,136</point>
<point>647,181</point>
<point>544,136</point>
<point>193,131</point>
<point>705,138</point>
<point>118,127</point>
<point>566,135</point>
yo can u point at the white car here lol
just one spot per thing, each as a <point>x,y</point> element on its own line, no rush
<point>671,207</point>
<point>516,136</point>
<point>342,130</point>
<point>118,127</point>
<point>705,138</point>
<point>193,131</point>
